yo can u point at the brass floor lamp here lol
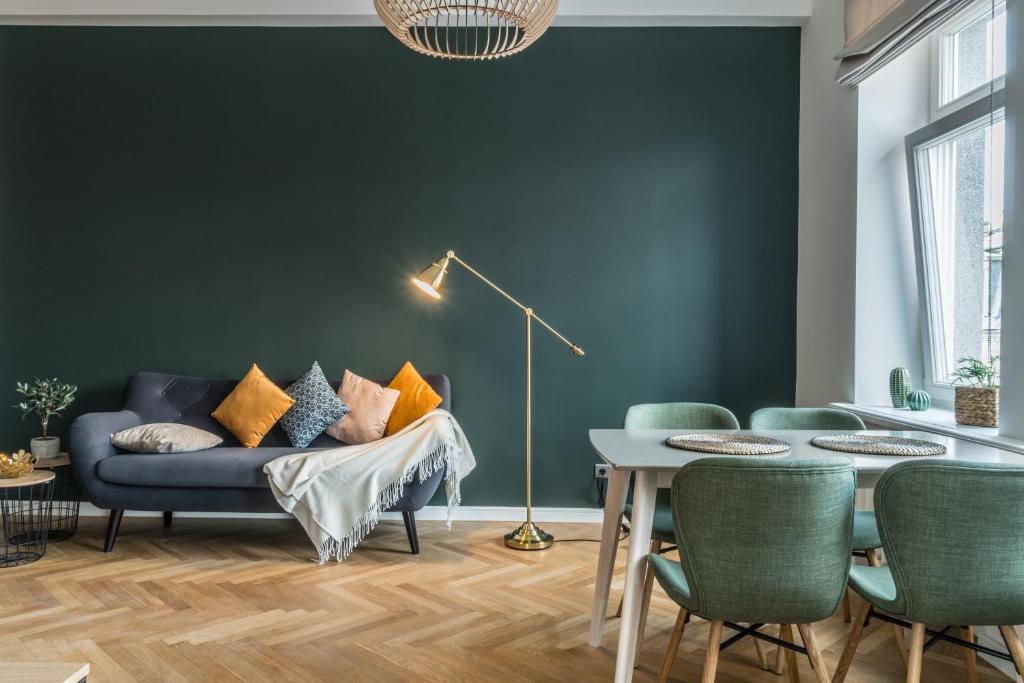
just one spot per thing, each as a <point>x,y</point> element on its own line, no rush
<point>528,536</point>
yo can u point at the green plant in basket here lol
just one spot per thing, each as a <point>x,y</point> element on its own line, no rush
<point>45,398</point>
<point>976,372</point>
<point>977,394</point>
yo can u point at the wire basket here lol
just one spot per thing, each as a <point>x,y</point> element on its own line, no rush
<point>25,510</point>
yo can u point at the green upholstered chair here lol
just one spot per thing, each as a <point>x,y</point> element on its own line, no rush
<point>865,530</point>
<point>924,508</point>
<point>669,416</point>
<point>761,541</point>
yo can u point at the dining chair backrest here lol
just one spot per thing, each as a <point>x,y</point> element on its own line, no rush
<point>762,540</point>
<point>805,418</point>
<point>953,535</point>
<point>679,416</point>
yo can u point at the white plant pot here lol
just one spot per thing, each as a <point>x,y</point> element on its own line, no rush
<point>44,447</point>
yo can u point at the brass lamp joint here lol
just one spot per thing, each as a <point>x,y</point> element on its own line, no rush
<point>528,311</point>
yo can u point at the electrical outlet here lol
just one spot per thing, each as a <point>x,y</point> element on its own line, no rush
<point>602,471</point>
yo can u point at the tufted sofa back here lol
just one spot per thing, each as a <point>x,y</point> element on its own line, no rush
<point>159,397</point>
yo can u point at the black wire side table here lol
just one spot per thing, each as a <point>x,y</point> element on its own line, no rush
<point>66,497</point>
<point>25,508</point>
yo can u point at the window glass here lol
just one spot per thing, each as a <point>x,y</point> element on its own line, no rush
<point>960,185</point>
<point>972,53</point>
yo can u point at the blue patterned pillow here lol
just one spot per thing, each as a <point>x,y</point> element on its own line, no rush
<point>316,407</point>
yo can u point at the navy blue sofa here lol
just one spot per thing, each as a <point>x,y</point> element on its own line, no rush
<point>228,478</point>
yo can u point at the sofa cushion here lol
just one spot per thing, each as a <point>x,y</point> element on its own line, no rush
<point>165,437</point>
<point>253,407</point>
<point>226,467</point>
<point>316,407</point>
<point>369,405</point>
<point>416,398</point>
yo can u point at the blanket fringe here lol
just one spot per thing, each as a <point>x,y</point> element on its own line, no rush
<point>443,455</point>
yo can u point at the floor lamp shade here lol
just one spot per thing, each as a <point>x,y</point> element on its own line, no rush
<point>430,281</point>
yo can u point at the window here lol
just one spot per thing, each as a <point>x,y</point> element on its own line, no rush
<point>956,174</point>
<point>969,54</point>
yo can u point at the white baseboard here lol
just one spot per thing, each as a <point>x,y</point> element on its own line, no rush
<point>469,513</point>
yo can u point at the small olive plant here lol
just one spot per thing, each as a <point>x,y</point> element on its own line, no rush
<point>45,398</point>
<point>976,372</point>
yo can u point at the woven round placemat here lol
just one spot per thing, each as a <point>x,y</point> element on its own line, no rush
<point>729,444</point>
<point>869,444</point>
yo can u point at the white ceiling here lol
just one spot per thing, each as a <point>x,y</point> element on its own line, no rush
<point>360,12</point>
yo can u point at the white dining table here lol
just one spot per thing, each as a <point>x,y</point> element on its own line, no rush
<point>644,453</point>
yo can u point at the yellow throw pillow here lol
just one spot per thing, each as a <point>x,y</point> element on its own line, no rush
<point>415,399</point>
<point>253,408</point>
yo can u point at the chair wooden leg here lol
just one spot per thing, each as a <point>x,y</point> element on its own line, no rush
<point>711,656</point>
<point>786,634</point>
<point>645,604</point>
<point>813,653</point>
<point>970,656</point>
<point>916,654</point>
<point>897,631</point>
<point>761,657</point>
<point>846,606</point>
<point>852,641</point>
<point>673,645</point>
<point>780,653</point>
<point>1015,647</point>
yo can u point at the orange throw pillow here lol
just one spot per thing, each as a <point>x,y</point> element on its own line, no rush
<point>415,399</point>
<point>253,408</point>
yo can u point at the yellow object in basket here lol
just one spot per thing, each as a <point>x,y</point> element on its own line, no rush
<point>16,464</point>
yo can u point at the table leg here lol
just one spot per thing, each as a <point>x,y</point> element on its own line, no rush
<point>644,493</point>
<point>615,501</point>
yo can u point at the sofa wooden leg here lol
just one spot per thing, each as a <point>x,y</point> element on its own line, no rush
<point>168,516</point>
<point>410,529</point>
<point>113,524</point>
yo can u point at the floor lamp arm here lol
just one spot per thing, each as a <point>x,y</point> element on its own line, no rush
<point>525,309</point>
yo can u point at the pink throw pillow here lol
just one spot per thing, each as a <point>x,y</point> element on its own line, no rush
<point>369,406</point>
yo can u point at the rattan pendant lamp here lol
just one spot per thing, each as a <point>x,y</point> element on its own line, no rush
<point>467,29</point>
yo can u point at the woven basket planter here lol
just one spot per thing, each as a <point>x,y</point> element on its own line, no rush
<point>977,406</point>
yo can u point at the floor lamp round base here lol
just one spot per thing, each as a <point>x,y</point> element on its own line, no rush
<point>529,537</point>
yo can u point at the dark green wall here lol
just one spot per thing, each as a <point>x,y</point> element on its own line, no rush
<point>193,200</point>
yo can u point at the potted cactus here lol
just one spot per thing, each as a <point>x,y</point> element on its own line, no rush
<point>977,399</point>
<point>45,398</point>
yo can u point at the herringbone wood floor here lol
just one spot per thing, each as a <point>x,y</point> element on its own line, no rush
<point>228,600</point>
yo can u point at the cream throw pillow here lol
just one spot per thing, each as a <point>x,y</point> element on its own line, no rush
<point>369,406</point>
<point>164,437</point>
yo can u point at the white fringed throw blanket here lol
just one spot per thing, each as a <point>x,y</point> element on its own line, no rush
<point>338,494</point>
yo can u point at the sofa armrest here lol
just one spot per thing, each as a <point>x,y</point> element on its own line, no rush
<point>89,443</point>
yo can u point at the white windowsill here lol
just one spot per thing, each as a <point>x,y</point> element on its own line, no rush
<point>936,419</point>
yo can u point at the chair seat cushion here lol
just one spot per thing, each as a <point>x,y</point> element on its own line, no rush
<point>663,529</point>
<point>227,467</point>
<point>671,578</point>
<point>875,585</point>
<point>865,531</point>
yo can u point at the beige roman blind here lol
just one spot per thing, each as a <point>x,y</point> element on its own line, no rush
<point>878,31</point>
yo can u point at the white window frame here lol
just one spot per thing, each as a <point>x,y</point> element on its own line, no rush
<point>943,49</point>
<point>979,114</point>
